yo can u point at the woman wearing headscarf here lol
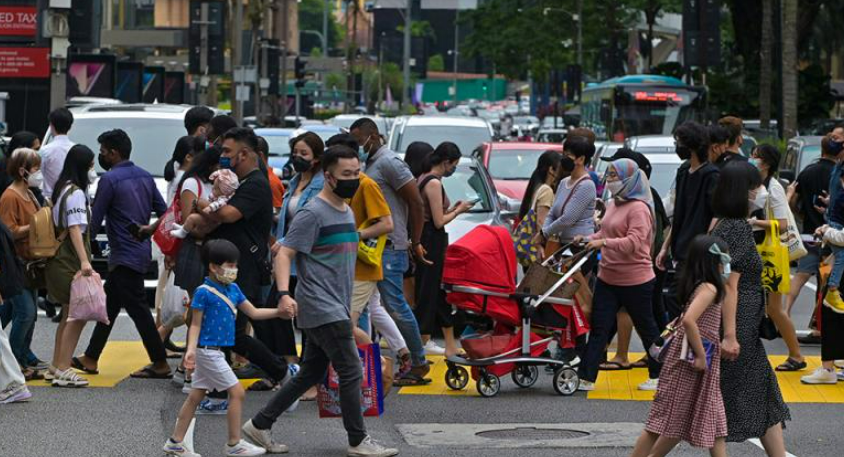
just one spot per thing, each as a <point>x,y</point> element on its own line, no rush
<point>625,274</point>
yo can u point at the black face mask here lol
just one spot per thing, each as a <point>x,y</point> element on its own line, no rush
<point>567,164</point>
<point>103,164</point>
<point>683,152</point>
<point>300,164</point>
<point>836,147</point>
<point>346,188</point>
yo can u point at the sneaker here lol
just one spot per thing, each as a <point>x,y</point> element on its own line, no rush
<point>820,376</point>
<point>179,449</point>
<point>244,448</point>
<point>834,301</point>
<point>263,438</point>
<point>649,386</point>
<point>293,370</point>
<point>585,386</point>
<point>371,448</point>
<point>15,393</point>
<point>841,375</point>
<point>68,378</point>
<point>211,406</point>
<point>38,365</point>
<point>50,373</point>
<point>186,387</point>
<point>432,348</point>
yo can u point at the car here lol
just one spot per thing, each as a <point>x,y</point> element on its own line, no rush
<point>663,170</point>
<point>651,144</point>
<point>512,163</point>
<point>278,140</point>
<point>322,130</point>
<point>466,132</point>
<point>346,120</point>
<point>74,102</point>
<point>824,126</point>
<point>551,135</point>
<point>154,130</point>
<point>800,152</point>
<point>748,144</point>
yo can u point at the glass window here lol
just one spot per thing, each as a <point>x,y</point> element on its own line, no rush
<point>513,164</point>
<point>279,145</point>
<point>809,154</point>
<point>466,138</point>
<point>467,184</point>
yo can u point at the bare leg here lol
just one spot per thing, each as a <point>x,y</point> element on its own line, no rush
<point>797,282</point>
<point>644,444</point>
<point>236,395</point>
<point>59,333</point>
<point>70,338</point>
<point>663,446</point>
<point>784,325</point>
<point>451,346</point>
<point>187,413</point>
<point>773,441</point>
<point>720,448</point>
<point>625,333</point>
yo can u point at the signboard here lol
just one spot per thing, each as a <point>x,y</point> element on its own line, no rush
<point>130,82</point>
<point>24,62</point>
<point>91,75</point>
<point>18,21</point>
<point>153,85</point>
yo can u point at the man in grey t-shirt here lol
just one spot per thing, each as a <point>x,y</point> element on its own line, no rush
<point>323,241</point>
<point>402,194</point>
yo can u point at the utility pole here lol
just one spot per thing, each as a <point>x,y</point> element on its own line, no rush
<point>580,35</point>
<point>405,98</point>
<point>237,61</point>
<point>325,7</point>
<point>59,43</point>
<point>456,51</point>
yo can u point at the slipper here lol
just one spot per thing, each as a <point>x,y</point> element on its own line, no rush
<point>641,363</point>
<point>792,365</point>
<point>410,379</point>
<point>261,385</point>
<point>614,366</point>
<point>148,372</point>
<point>76,364</point>
<point>173,354</point>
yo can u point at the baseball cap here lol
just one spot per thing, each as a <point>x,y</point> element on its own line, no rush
<point>627,153</point>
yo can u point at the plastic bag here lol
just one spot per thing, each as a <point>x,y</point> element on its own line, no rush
<point>173,304</point>
<point>775,267</point>
<point>87,299</point>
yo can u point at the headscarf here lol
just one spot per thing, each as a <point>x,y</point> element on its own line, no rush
<point>635,185</point>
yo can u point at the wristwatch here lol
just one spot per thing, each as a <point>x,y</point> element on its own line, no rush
<point>283,293</point>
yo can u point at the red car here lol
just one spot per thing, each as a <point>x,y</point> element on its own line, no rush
<point>511,164</point>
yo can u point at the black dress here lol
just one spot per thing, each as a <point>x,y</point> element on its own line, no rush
<point>432,310</point>
<point>749,386</point>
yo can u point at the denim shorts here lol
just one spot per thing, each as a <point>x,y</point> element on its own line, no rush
<point>810,263</point>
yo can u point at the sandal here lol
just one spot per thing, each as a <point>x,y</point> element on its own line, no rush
<point>262,385</point>
<point>77,364</point>
<point>409,380</point>
<point>148,372</point>
<point>170,354</point>
<point>792,365</point>
<point>641,363</point>
<point>610,365</point>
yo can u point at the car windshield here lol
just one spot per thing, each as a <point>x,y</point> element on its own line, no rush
<point>279,145</point>
<point>323,133</point>
<point>467,184</point>
<point>513,163</point>
<point>808,155</point>
<point>552,137</point>
<point>150,152</point>
<point>466,138</point>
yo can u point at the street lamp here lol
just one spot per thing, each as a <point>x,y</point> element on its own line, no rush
<point>455,53</point>
<point>576,17</point>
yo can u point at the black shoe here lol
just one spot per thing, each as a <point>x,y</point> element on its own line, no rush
<point>171,346</point>
<point>48,308</point>
<point>811,340</point>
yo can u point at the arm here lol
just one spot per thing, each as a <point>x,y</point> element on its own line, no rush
<point>102,201</point>
<point>663,252</point>
<point>193,338</point>
<point>225,215</point>
<point>410,194</point>
<point>439,215</point>
<point>729,345</point>
<point>79,246</point>
<point>287,307</point>
<point>384,226</point>
<point>19,229</point>
<point>766,224</point>
<point>701,302</point>
<point>259,313</point>
<point>159,207</point>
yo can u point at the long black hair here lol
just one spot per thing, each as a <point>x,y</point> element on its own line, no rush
<point>445,152</point>
<point>187,145</point>
<point>203,164</point>
<point>771,156</point>
<point>80,159</point>
<point>22,139</point>
<point>730,199</point>
<point>702,267</point>
<point>548,160</point>
<point>416,156</point>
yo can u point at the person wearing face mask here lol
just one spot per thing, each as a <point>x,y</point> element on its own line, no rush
<point>625,273</point>
<point>17,205</point>
<point>539,194</point>
<point>724,155</point>
<point>322,241</point>
<point>431,308</point>
<point>719,142</point>
<point>22,139</point>
<point>752,397</point>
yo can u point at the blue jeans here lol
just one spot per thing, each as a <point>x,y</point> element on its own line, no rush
<point>392,294</point>
<point>21,311</point>
<point>838,262</point>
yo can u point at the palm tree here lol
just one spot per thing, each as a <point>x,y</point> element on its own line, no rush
<point>789,67</point>
<point>765,79</point>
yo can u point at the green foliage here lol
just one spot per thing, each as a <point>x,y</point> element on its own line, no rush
<point>436,63</point>
<point>310,18</point>
<point>335,80</point>
<point>814,101</point>
<point>316,51</point>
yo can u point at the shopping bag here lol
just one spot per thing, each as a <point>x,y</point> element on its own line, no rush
<point>775,267</point>
<point>527,252</point>
<point>371,387</point>
<point>791,238</point>
<point>173,303</point>
<point>87,299</point>
<point>168,244</point>
<point>371,251</point>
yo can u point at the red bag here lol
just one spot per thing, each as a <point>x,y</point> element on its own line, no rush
<point>371,388</point>
<point>167,243</point>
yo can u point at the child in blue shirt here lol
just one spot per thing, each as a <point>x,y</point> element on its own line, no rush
<point>214,308</point>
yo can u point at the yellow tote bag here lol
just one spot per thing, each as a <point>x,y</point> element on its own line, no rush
<point>775,269</point>
<point>371,251</point>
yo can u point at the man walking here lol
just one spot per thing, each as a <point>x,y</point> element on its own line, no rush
<point>54,152</point>
<point>734,127</point>
<point>126,197</point>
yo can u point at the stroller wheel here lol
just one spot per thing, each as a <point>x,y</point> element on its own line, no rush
<point>456,377</point>
<point>566,381</point>
<point>489,385</point>
<point>525,375</point>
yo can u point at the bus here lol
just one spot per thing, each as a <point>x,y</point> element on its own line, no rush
<point>639,105</point>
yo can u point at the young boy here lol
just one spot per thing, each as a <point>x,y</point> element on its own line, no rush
<point>836,223</point>
<point>214,306</point>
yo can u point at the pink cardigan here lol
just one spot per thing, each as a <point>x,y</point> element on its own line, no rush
<point>626,258</point>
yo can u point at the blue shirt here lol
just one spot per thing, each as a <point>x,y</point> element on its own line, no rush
<point>835,191</point>
<point>126,195</point>
<point>217,318</point>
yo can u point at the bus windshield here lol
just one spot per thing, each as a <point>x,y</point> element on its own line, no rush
<point>657,111</point>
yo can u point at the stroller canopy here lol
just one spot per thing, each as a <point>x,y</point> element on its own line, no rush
<point>484,258</point>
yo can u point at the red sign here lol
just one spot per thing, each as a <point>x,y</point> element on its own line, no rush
<point>24,62</point>
<point>657,96</point>
<point>18,21</point>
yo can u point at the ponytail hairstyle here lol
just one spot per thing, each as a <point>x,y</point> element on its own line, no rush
<point>79,160</point>
<point>445,152</point>
<point>548,160</point>
<point>187,145</point>
<point>416,156</point>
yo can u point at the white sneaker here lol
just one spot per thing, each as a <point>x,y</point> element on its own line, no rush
<point>432,348</point>
<point>841,375</point>
<point>371,448</point>
<point>186,387</point>
<point>293,370</point>
<point>585,386</point>
<point>178,449</point>
<point>820,376</point>
<point>649,386</point>
<point>68,378</point>
<point>263,438</point>
<point>244,448</point>
<point>15,393</point>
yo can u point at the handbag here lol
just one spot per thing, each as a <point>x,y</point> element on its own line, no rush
<point>371,386</point>
<point>371,251</point>
<point>658,348</point>
<point>173,303</point>
<point>792,239</point>
<point>689,356</point>
<point>167,243</point>
<point>775,262</point>
<point>527,252</point>
<point>87,299</point>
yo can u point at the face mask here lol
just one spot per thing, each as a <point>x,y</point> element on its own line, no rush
<point>362,154</point>
<point>836,146</point>
<point>756,163</point>
<point>760,200</point>
<point>567,164</point>
<point>103,164</point>
<point>300,164</point>
<point>346,188</point>
<point>227,275</point>
<point>35,179</point>
<point>449,172</point>
<point>614,187</point>
<point>92,175</point>
<point>683,152</point>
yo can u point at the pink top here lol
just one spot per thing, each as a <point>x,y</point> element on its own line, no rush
<point>626,259</point>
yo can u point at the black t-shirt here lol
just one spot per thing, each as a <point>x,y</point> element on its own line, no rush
<point>692,206</point>
<point>728,157</point>
<point>251,233</point>
<point>812,182</point>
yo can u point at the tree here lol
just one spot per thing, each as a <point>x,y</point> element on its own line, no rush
<point>765,77</point>
<point>652,10</point>
<point>789,67</point>
<point>436,63</point>
<point>310,18</point>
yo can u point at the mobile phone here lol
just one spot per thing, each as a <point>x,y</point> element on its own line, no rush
<point>475,201</point>
<point>135,231</point>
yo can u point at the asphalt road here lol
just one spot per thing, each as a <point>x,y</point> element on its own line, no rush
<point>136,417</point>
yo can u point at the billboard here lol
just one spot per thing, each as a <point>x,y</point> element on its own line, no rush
<point>174,87</point>
<point>18,21</point>
<point>16,62</point>
<point>130,82</point>
<point>153,85</point>
<point>91,75</point>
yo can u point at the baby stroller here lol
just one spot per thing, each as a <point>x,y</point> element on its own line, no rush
<point>479,277</point>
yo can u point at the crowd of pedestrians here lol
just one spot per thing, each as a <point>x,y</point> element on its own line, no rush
<point>260,261</point>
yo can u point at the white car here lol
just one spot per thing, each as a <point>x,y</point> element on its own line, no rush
<point>663,170</point>
<point>651,144</point>
<point>466,132</point>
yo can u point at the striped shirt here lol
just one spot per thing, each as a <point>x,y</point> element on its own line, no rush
<point>577,218</point>
<point>326,242</point>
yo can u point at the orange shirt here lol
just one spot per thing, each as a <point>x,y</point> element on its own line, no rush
<point>15,212</point>
<point>277,187</point>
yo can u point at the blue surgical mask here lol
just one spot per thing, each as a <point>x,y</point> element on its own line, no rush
<point>226,163</point>
<point>362,154</point>
<point>756,163</point>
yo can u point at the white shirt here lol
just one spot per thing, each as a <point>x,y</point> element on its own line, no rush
<point>52,162</point>
<point>76,210</point>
